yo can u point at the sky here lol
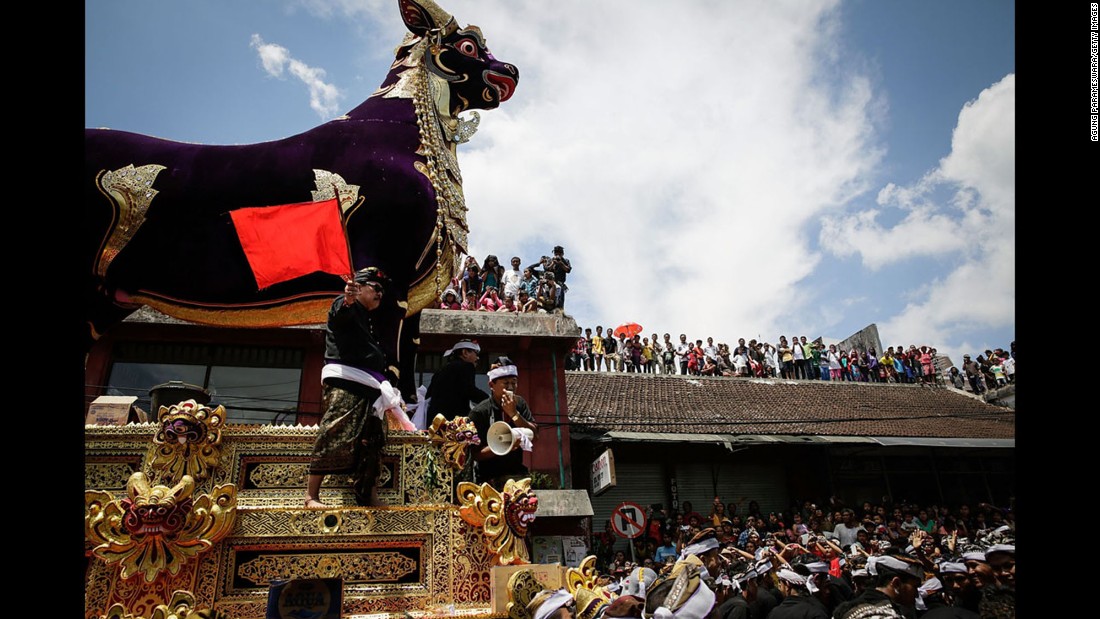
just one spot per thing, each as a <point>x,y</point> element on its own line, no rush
<point>715,168</point>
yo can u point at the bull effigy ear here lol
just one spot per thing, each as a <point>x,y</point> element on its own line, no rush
<point>423,16</point>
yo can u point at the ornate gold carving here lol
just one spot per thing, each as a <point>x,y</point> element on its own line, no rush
<point>440,133</point>
<point>180,607</point>
<point>470,562</point>
<point>590,604</point>
<point>504,516</point>
<point>363,566</point>
<point>522,588</point>
<point>267,464</point>
<point>308,312</point>
<point>130,191</point>
<point>453,437</point>
<point>109,475</point>
<point>583,576</point>
<point>188,441</point>
<point>440,163</point>
<point>157,528</point>
<point>329,184</point>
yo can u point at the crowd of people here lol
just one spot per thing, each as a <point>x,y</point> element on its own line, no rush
<point>825,561</point>
<point>489,287</point>
<point>619,351</point>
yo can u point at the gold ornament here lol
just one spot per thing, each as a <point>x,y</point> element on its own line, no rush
<point>130,191</point>
<point>157,528</point>
<point>454,437</point>
<point>522,588</point>
<point>505,516</point>
<point>585,576</point>
<point>180,607</point>
<point>188,441</point>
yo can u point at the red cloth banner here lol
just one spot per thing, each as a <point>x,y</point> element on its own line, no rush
<point>291,240</point>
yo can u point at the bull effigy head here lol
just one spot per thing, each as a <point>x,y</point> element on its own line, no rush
<point>389,166</point>
<point>460,57</point>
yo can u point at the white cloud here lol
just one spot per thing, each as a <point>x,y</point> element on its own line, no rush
<point>684,154</point>
<point>324,98</point>
<point>972,229</point>
<point>679,152</point>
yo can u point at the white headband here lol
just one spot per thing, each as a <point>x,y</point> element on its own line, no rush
<point>975,555</point>
<point>558,599</point>
<point>1009,548</point>
<point>505,370</point>
<point>817,567</point>
<point>912,569</point>
<point>930,585</point>
<point>745,577</point>
<point>951,566</point>
<point>699,548</point>
<point>792,577</point>
<point>461,345</point>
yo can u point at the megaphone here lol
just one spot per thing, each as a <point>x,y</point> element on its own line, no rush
<point>503,438</point>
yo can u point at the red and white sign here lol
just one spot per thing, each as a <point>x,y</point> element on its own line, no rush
<point>628,520</point>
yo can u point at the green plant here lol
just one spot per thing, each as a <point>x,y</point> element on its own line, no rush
<point>543,481</point>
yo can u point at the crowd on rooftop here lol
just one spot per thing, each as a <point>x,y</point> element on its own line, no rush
<point>489,287</point>
<point>540,288</point>
<point>622,351</point>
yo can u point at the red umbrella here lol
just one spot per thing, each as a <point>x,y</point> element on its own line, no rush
<point>629,329</point>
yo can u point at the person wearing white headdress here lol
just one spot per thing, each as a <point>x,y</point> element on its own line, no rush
<point>705,546</point>
<point>894,595</point>
<point>552,604</point>
<point>981,575</point>
<point>960,596</point>
<point>766,597</point>
<point>453,388</point>
<point>742,592</point>
<point>1002,560</point>
<point>930,596</point>
<point>503,404</point>
<point>681,594</point>
<point>797,602</point>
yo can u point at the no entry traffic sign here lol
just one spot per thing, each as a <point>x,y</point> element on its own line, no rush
<point>628,520</point>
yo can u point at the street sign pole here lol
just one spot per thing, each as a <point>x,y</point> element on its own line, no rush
<point>629,521</point>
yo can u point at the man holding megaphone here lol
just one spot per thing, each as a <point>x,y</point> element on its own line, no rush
<point>505,426</point>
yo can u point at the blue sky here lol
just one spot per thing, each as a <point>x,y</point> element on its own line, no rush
<point>725,169</point>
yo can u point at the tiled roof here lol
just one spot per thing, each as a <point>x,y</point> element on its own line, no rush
<point>607,401</point>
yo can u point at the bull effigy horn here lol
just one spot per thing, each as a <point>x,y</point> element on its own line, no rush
<point>423,16</point>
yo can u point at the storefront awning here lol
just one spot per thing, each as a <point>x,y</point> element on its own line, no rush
<point>731,440</point>
<point>557,503</point>
<point>926,441</point>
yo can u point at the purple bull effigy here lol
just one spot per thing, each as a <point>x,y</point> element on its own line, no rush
<point>161,213</point>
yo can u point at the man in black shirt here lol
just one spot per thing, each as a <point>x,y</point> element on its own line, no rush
<point>357,389</point>
<point>559,265</point>
<point>505,405</point>
<point>895,594</point>
<point>453,389</point>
